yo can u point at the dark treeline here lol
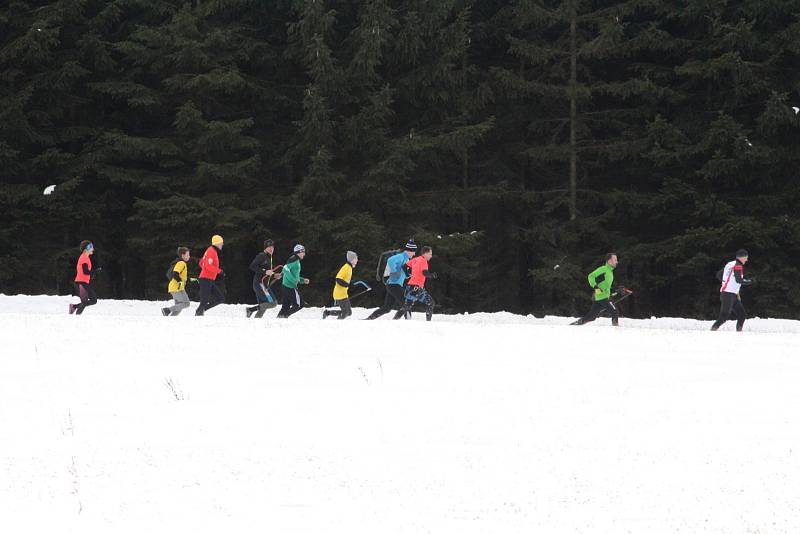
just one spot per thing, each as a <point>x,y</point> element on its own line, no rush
<point>512,136</point>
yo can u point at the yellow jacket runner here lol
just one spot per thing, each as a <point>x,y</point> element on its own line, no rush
<point>182,273</point>
<point>345,274</point>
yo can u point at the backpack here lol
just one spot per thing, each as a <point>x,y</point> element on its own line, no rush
<point>382,269</point>
<point>171,269</point>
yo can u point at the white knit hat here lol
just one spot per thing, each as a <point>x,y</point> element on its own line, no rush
<point>299,248</point>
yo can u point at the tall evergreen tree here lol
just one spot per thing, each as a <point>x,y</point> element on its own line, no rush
<point>579,137</point>
<point>49,51</point>
<point>719,153</point>
<point>188,154</point>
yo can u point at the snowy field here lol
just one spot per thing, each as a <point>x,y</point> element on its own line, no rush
<point>122,420</point>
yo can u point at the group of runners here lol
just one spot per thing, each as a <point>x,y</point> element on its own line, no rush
<point>405,276</point>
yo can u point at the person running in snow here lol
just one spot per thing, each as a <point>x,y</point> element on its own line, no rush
<point>341,289</point>
<point>292,299</point>
<point>415,291</point>
<point>732,279</point>
<point>601,280</point>
<point>83,279</point>
<point>210,272</point>
<point>395,295</point>
<point>179,275</point>
<point>262,268</point>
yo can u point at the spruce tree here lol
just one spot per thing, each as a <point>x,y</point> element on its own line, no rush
<point>722,155</point>
<point>189,155</point>
<point>47,57</point>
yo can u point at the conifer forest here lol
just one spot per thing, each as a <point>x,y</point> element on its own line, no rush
<point>521,139</point>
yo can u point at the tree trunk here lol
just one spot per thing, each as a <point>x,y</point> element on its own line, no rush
<point>465,185</point>
<point>573,112</point>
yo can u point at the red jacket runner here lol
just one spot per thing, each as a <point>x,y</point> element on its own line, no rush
<point>418,267</point>
<point>209,265</point>
<point>80,275</point>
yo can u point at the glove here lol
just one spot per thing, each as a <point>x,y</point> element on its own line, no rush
<point>193,280</point>
<point>598,291</point>
<point>416,290</point>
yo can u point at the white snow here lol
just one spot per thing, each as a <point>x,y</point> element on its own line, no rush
<point>122,420</point>
<point>796,110</point>
<point>49,189</point>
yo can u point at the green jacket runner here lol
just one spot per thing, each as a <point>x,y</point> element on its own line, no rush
<point>291,273</point>
<point>601,280</point>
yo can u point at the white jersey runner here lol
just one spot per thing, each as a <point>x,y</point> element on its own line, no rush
<point>729,283</point>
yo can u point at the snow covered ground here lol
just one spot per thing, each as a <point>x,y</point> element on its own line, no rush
<point>122,420</point>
